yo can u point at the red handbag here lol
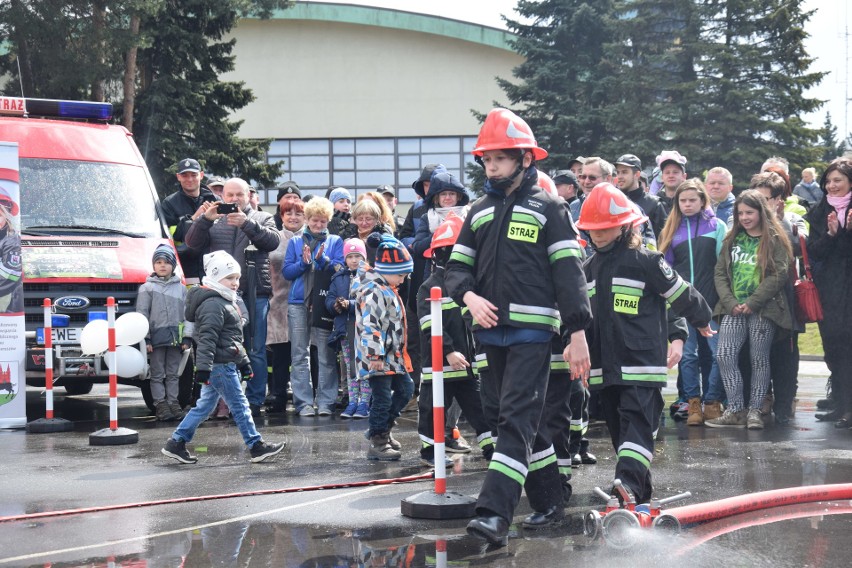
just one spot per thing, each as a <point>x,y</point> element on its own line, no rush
<point>808,305</point>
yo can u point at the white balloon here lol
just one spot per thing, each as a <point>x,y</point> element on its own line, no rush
<point>93,339</point>
<point>130,361</point>
<point>130,329</point>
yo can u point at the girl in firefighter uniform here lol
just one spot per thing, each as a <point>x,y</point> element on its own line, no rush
<point>629,288</point>
<point>517,266</point>
<point>460,380</point>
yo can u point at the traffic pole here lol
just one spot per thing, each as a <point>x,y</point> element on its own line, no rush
<point>439,503</point>
<point>112,436</point>
<point>48,423</point>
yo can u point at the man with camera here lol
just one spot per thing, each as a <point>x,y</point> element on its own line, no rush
<point>182,208</point>
<point>249,236</point>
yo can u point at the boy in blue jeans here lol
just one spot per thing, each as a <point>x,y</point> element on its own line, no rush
<point>221,359</point>
<point>380,330</point>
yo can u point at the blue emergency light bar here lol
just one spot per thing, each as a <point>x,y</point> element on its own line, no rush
<point>55,108</point>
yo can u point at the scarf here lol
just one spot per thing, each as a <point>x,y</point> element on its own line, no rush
<point>225,292</point>
<point>841,205</point>
<point>437,215</point>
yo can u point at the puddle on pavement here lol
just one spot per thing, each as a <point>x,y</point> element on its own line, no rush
<point>814,534</point>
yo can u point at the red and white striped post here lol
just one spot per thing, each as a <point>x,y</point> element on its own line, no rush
<point>48,423</point>
<point>440,503</point>
<point>112,436</point>
<point>438,390</point>
<point>111,363</point>
<point>48,359</point>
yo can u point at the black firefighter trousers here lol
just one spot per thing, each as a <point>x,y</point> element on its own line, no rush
<point>518,376</point>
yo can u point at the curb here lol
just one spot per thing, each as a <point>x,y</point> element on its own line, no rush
<point>811,357</point>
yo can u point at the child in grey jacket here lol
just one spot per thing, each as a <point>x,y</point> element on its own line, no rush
<point>161,300</point>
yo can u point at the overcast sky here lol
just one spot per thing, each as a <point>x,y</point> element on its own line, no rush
<point>828,44</point>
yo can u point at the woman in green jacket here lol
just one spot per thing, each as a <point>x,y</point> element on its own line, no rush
<point>750,276</point>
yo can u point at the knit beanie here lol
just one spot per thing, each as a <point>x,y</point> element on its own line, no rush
<point>354,246</point>
<point>288,188</point>
<point>391,255</point>
<point>166,253</point>
<point>219,264</point>
<point>339,193</point>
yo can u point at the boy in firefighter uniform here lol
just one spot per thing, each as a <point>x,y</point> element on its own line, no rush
<point>517,267</point>
<point>460,381</point>
<point>629,288</point>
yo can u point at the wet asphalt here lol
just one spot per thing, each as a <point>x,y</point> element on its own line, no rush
<point>295,523</point>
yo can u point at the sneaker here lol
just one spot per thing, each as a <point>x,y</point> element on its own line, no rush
<point>456,446</point>
<point>261,451</point>
<point>411,406</point>
<point>729,419</point>
<point>766,405</point>
<point>307,411</point>
<point>177,450</point>
<point>430,462</point>
<point>164,412</point>
<point>679,410</point>
<point>754,421</point>
<point>695,416</point>
<point>349,410</point>
<point>325,412</point>
<point>177,411</point>
<point>362,411</point>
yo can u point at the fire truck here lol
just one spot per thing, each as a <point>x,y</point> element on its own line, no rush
<point>90,221</point>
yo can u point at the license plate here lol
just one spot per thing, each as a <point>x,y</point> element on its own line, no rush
<point>61,335</point>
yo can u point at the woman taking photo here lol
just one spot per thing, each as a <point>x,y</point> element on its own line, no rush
<point>830,250</point>
<point>750,277</point>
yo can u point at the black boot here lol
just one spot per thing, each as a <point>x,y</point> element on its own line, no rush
<point>545,519</point>
<point>494,529</point>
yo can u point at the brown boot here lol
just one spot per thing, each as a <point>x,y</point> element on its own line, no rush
<point>695,416</point>
<point>380,448</point>
<point>712,410</point>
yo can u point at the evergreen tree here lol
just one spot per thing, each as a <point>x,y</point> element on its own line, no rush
<point>167,67</point>
<point>563,83</point>
<point>828,144</point>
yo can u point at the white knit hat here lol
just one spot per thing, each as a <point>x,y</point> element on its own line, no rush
<point>219,264</point>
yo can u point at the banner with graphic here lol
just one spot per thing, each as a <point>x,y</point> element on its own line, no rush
<point>13,387</point>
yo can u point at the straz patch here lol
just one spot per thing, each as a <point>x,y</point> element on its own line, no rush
<point>666,269</point>
<point>624,304</point>
<point>523,232</point>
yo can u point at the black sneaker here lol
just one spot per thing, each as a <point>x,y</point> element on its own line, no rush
<point>177,450</point>
<point>261,450</point>
<point>455,446</point>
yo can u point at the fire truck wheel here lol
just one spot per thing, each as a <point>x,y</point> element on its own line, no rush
<point>79,388</point>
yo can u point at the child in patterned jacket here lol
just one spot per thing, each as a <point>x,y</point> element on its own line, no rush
<point>380,345</point>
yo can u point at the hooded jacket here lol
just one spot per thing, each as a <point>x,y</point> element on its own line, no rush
<point>258,230</point>
<point>162,302</point>
<point>380,326</point>
<point>218,329</point>
<point>520,252</point>
<point>296,270</point>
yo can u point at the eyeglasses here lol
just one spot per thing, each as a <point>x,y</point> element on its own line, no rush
<point>584,177</point>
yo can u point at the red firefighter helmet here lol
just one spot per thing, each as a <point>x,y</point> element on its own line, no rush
<point>607,207</point>
<point>545,182</point>
<point>504,130</point>
<point>446,234</point>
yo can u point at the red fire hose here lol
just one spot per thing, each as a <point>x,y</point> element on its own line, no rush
<point>712,510</point>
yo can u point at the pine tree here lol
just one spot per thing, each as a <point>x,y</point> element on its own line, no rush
<point>562,85</point>
<point>828,141</point>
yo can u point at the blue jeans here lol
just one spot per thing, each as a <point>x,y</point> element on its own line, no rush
<point>224,382</point>
<point>256,387</point>
<point>390,395</point>
<point>301,334</point>
<point>691,371</point>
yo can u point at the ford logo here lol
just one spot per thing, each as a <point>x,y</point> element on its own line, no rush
<point>72,303</point>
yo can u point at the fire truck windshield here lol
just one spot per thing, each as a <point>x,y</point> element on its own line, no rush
<point>68,197</point>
